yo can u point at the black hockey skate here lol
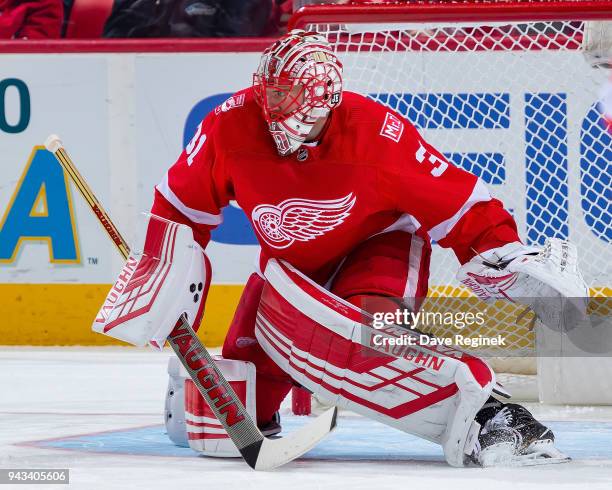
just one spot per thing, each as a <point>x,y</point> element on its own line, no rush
<point>511,436</point>
<point>273,427</point>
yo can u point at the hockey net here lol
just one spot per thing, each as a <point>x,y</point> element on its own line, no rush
<point>509,91</point>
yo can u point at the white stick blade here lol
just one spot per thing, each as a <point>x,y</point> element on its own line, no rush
<point>277,452</point>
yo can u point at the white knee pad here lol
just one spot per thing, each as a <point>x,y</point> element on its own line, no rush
<point>189,419</point>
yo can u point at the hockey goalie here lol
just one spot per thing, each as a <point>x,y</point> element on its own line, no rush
<point>345,197</point>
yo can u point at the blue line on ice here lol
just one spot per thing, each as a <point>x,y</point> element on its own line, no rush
<point>355,439</point>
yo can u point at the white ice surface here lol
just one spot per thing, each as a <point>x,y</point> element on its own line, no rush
<point>104,399</point>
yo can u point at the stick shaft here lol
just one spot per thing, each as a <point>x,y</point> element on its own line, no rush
<point>68,165</point>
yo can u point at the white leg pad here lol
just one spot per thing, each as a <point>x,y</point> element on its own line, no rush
<point>327,346</point>
<point>198,428</point>
<point>459,438</point>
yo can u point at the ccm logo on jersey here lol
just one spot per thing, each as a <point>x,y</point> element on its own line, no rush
<point>299,219</point>
<point>392,128</point>
<point>230,103</point>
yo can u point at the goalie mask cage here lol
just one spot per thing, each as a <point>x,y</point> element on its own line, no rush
<point>509,91</point>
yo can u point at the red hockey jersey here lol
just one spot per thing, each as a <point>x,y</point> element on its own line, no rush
<point>371,171</point>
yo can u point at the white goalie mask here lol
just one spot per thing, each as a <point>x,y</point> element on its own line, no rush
<point>299,80</point>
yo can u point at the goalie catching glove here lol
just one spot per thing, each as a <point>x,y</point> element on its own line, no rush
<point>547,280</point>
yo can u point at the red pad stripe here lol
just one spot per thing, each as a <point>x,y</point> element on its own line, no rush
<point>189,423</point>
<point>385,382</point>
<point>397,412</point>
<point>195,436</point>
<point>153,280</point>
<point>316,339</point>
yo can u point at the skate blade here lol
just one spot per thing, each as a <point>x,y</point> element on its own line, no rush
<point>538,453</point>
<point>535,459</point>
<point>543,452</point>
<point>523,460</point>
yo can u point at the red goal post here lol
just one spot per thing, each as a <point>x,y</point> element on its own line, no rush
<point>441,11</point>
<point>510,91</point>
<point>468,11</point>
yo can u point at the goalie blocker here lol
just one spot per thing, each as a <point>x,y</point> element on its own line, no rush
<point>166,275</point>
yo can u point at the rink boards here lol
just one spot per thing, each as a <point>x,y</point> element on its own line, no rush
<point>56,264</point>
<point>124,118</point>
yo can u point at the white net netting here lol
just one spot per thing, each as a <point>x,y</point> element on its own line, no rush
<point>516,103</point>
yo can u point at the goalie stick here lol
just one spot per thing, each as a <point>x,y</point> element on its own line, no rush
<point>259,452</point>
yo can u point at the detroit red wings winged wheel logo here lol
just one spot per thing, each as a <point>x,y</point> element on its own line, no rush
<point>300,219</point>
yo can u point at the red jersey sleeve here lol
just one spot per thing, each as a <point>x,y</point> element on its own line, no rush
<point>196,187</point>
<point>451,204</point>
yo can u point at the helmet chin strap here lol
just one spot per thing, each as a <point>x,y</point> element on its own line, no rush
<point>291,133</point>
<point>283,132</point>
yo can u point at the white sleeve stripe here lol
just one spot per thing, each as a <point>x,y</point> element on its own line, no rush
<point>480,193</point>
<point>194,215</point>
<point>414,267</point>
<point>405,222</point>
